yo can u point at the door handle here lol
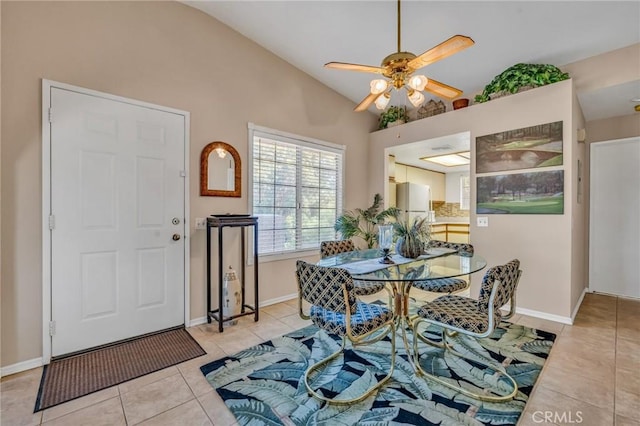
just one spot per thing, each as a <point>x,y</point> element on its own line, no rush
<point>176,237</point>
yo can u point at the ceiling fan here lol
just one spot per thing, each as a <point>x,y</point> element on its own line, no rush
<point>399,67</point>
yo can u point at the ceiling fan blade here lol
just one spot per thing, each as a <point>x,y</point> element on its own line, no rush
<point>354,67</point>
<point>441,51</point>
<point>371,98</point>
<point>442,90</point>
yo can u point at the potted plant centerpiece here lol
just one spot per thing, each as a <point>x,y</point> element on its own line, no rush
<point>520,77</point>
<point>413,236</point>
<point>363,222</point>
<point>393,116</point>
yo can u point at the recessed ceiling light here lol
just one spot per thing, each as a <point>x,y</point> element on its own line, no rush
<point>450,160</point>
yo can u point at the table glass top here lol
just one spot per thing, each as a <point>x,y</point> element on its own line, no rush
<point>364,265</point>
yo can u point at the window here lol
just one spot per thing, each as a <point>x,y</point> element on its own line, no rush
<point>465,192</point>
<point>296,190</point>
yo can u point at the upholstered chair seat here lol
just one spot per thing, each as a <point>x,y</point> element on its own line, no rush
<point>332,248</point>
<point>446,285</point>
<point>456,311</point>
<point>367,317</point>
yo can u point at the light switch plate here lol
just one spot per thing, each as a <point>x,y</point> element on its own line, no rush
<point>201,223</point>
<point>482,221</point>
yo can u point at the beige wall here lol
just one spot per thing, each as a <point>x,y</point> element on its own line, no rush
<point>596,72</point>
<point>160,52</point>
<point>609,129</point>
<point>543,243</point>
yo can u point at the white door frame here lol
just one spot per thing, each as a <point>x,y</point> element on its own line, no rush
<point>593,287</point>
<point>47,85</point>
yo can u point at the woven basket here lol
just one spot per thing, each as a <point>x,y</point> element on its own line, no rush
<point>431,108</point>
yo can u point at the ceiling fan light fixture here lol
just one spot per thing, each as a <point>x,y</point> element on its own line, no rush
<point>399,67</point>
<point>418,82</point>
<point>450,160</point>
<point>221,152</point>
<point>416,98</point>
<point>378,86</point>
<point>383,101</point>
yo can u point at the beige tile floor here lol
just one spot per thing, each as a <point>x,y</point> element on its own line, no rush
<point>592,376</point>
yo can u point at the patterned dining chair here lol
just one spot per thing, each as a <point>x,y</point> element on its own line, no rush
<point>474,318</point>
<point>446,285</point>
<point>336,309</point>
<point>331,248</point>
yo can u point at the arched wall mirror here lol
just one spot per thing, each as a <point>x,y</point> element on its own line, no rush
<point>220,170</point>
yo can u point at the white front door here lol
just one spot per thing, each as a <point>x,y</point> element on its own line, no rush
<point>118,219</point>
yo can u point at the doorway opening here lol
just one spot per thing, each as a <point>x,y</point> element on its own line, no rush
<point>415,169</point>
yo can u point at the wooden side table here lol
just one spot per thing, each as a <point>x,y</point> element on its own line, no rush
<point>232,221</point>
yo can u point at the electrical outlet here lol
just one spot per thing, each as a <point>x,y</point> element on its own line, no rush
<point>482,221</point>
<point>201,223</point>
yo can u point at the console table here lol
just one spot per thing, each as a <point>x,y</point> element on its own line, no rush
<point>232,221</point>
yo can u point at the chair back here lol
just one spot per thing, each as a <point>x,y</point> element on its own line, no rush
<point>324,287</point>
<point>331,248</point>
<point>507,276</point>
<point>462,248</point>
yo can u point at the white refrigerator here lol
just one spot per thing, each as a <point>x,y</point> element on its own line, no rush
<point>413,199</point>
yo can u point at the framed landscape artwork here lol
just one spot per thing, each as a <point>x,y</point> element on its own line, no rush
<point>526,148</point>
<point>521,193</point>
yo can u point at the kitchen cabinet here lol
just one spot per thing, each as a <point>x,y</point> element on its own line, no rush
<point>452,232</point>
<point>435,180</point>
<point>458,232</point>
<point>439,231</point>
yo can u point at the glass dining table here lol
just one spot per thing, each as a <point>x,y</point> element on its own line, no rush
<point>436,263</point>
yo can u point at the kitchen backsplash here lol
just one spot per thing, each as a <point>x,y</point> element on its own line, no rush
<point>443,209</point>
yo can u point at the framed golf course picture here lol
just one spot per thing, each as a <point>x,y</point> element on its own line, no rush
<point>521,193</point>
<point>526,148</point>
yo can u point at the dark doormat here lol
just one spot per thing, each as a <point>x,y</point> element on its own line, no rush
<point>79,375</point>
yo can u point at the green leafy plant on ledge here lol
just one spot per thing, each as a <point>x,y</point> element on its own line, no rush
<point>394,113</point>
<point>521,76</point>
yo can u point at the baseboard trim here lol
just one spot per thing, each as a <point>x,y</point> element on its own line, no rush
<point>197,321</point>
<point>278,299</point>
<point>575,310</point>
<point>203,320</point>
<point>544,315</point>
<point>20,367</point>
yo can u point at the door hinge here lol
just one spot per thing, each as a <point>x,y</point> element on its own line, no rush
<point>52,328</point>
<point>52,222</point>
<point>183,173</point>
<point>50,115</point>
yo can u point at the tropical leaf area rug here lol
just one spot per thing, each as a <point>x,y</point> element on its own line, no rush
<point>263,385</point>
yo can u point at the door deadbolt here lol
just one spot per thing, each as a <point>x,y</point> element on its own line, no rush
<point>176,237</point>
<point>175,221</point>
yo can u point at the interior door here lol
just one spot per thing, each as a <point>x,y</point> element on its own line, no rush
<point>117,204</point>
<point>614,237</point>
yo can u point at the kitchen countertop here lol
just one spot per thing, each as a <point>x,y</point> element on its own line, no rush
<point>451,221</point>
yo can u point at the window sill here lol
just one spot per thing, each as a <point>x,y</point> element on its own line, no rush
<point>266,258</point>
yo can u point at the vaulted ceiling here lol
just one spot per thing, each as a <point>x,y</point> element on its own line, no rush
<point>309,34</point>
